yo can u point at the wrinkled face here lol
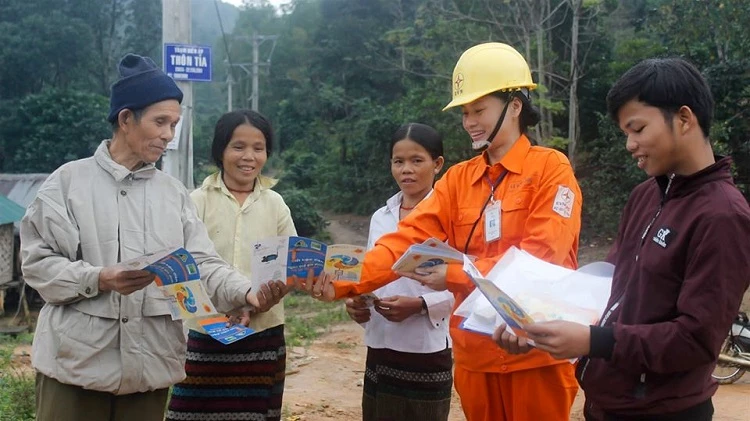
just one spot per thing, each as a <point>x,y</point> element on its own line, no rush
<point>650,138</point>
<point>244,157</point>
<point>413,168</point>
<point>147,138</point>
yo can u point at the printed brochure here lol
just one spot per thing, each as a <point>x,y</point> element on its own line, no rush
<point>217,328</point>
<point>430,253</point>
<point>178,278</point>
<point>281,258</point>
<point>522,289</point>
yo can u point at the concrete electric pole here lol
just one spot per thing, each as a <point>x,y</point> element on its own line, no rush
<point>176,21</point>
<point>252,69</point>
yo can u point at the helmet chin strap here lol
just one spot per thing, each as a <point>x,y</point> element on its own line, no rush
<point>482,144</point>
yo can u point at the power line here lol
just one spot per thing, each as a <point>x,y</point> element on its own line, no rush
<point>223,34</point>
<point>229,57</point>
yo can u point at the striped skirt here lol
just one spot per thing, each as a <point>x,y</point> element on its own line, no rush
<point>407,386</point>
<point>242,381</point>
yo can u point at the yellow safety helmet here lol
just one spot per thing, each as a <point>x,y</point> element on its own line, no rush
<point>487,68</point>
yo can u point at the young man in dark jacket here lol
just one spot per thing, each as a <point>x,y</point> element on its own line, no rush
<point>682,259</point>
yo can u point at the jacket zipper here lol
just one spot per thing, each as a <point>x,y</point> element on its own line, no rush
<point>656,215</point>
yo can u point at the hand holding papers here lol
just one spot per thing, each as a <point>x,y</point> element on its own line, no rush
<point>522,289</point>
<point>281,258</point>
<point>218,329</point>
<point>178,278</point>
<point>426,255</point>
<point>426,263</point>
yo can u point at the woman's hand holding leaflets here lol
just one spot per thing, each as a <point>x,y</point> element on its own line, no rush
<point>320,287</point>
<point>433,277</point>
<point>357,309</point>
<point>267,296</point>
<point>398,308</point>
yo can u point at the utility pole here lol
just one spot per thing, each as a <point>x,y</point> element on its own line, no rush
<point>256,45</point>
<point>176,20</point>
<point>229,90</point>
<point>252,69</point>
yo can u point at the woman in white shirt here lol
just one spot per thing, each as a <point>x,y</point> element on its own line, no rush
<point>408,373</point>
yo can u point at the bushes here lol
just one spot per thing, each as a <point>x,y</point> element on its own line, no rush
<point>606,180</point>
<point>307,220</point>
<point>16,386</point>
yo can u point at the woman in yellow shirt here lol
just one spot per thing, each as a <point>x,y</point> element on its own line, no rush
<point>245,379</point>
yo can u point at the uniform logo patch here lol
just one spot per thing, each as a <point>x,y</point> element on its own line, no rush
<point>664,236</point>
<point>564,200</point>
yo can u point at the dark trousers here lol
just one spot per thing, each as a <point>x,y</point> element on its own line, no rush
<point>56,401</point>
<point>704,411</point>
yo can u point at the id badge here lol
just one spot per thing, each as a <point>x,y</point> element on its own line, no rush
<point>492,222</point>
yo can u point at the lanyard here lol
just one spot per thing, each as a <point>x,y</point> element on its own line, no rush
<point>493,186</point>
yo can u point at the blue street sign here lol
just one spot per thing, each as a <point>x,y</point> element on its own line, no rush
<point>187,63</point>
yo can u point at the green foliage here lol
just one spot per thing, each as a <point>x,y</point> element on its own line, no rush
<point>307,220</point>
<point>16,386</point>
<point>343,74</point>
<point>55,55</point>
<point>606,180</point>
<point>49,129</point>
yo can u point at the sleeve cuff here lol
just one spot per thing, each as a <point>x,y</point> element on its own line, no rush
<point>438,307</point>
<point>345,289</point>
<point>89,286</point>
<point>602,342</point>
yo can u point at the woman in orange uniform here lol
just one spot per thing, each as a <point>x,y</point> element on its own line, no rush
<point>513,194</point>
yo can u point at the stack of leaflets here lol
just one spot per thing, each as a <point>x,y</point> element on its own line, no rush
<point>430,253</point>
<point>522,289</point>
<point>178,278</point>
<point>281,258</point>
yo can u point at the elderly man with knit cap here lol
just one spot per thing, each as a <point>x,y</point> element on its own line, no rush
<point>105,346</point>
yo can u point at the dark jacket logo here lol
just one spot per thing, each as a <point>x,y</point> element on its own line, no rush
<point>664,236</point>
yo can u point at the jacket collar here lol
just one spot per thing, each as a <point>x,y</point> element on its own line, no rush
<point>215,182</point>
<point>104,159</point>
<point>512,161</point>
<point>682,185</point>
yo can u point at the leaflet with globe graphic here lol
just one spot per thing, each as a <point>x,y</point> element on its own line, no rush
<point>282,258</point>
<point>178,278</point>
<point>420,257</point>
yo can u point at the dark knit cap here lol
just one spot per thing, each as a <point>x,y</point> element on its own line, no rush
<point>141,84</point>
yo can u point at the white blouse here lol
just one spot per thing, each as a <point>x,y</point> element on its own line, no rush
<point>419,333</point>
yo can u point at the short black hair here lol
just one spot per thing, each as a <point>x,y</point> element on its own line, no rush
<point>229,122</point>
<point>667,84</point>
<point>423,135</point>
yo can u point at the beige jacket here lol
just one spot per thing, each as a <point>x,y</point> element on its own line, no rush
<point>234,227</point>
<point>93,213</point>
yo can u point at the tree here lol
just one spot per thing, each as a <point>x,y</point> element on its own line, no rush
<point>51,128</point>
<point>54,57</point>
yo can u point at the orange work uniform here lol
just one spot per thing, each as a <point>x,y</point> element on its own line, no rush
<point>541,214</point>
